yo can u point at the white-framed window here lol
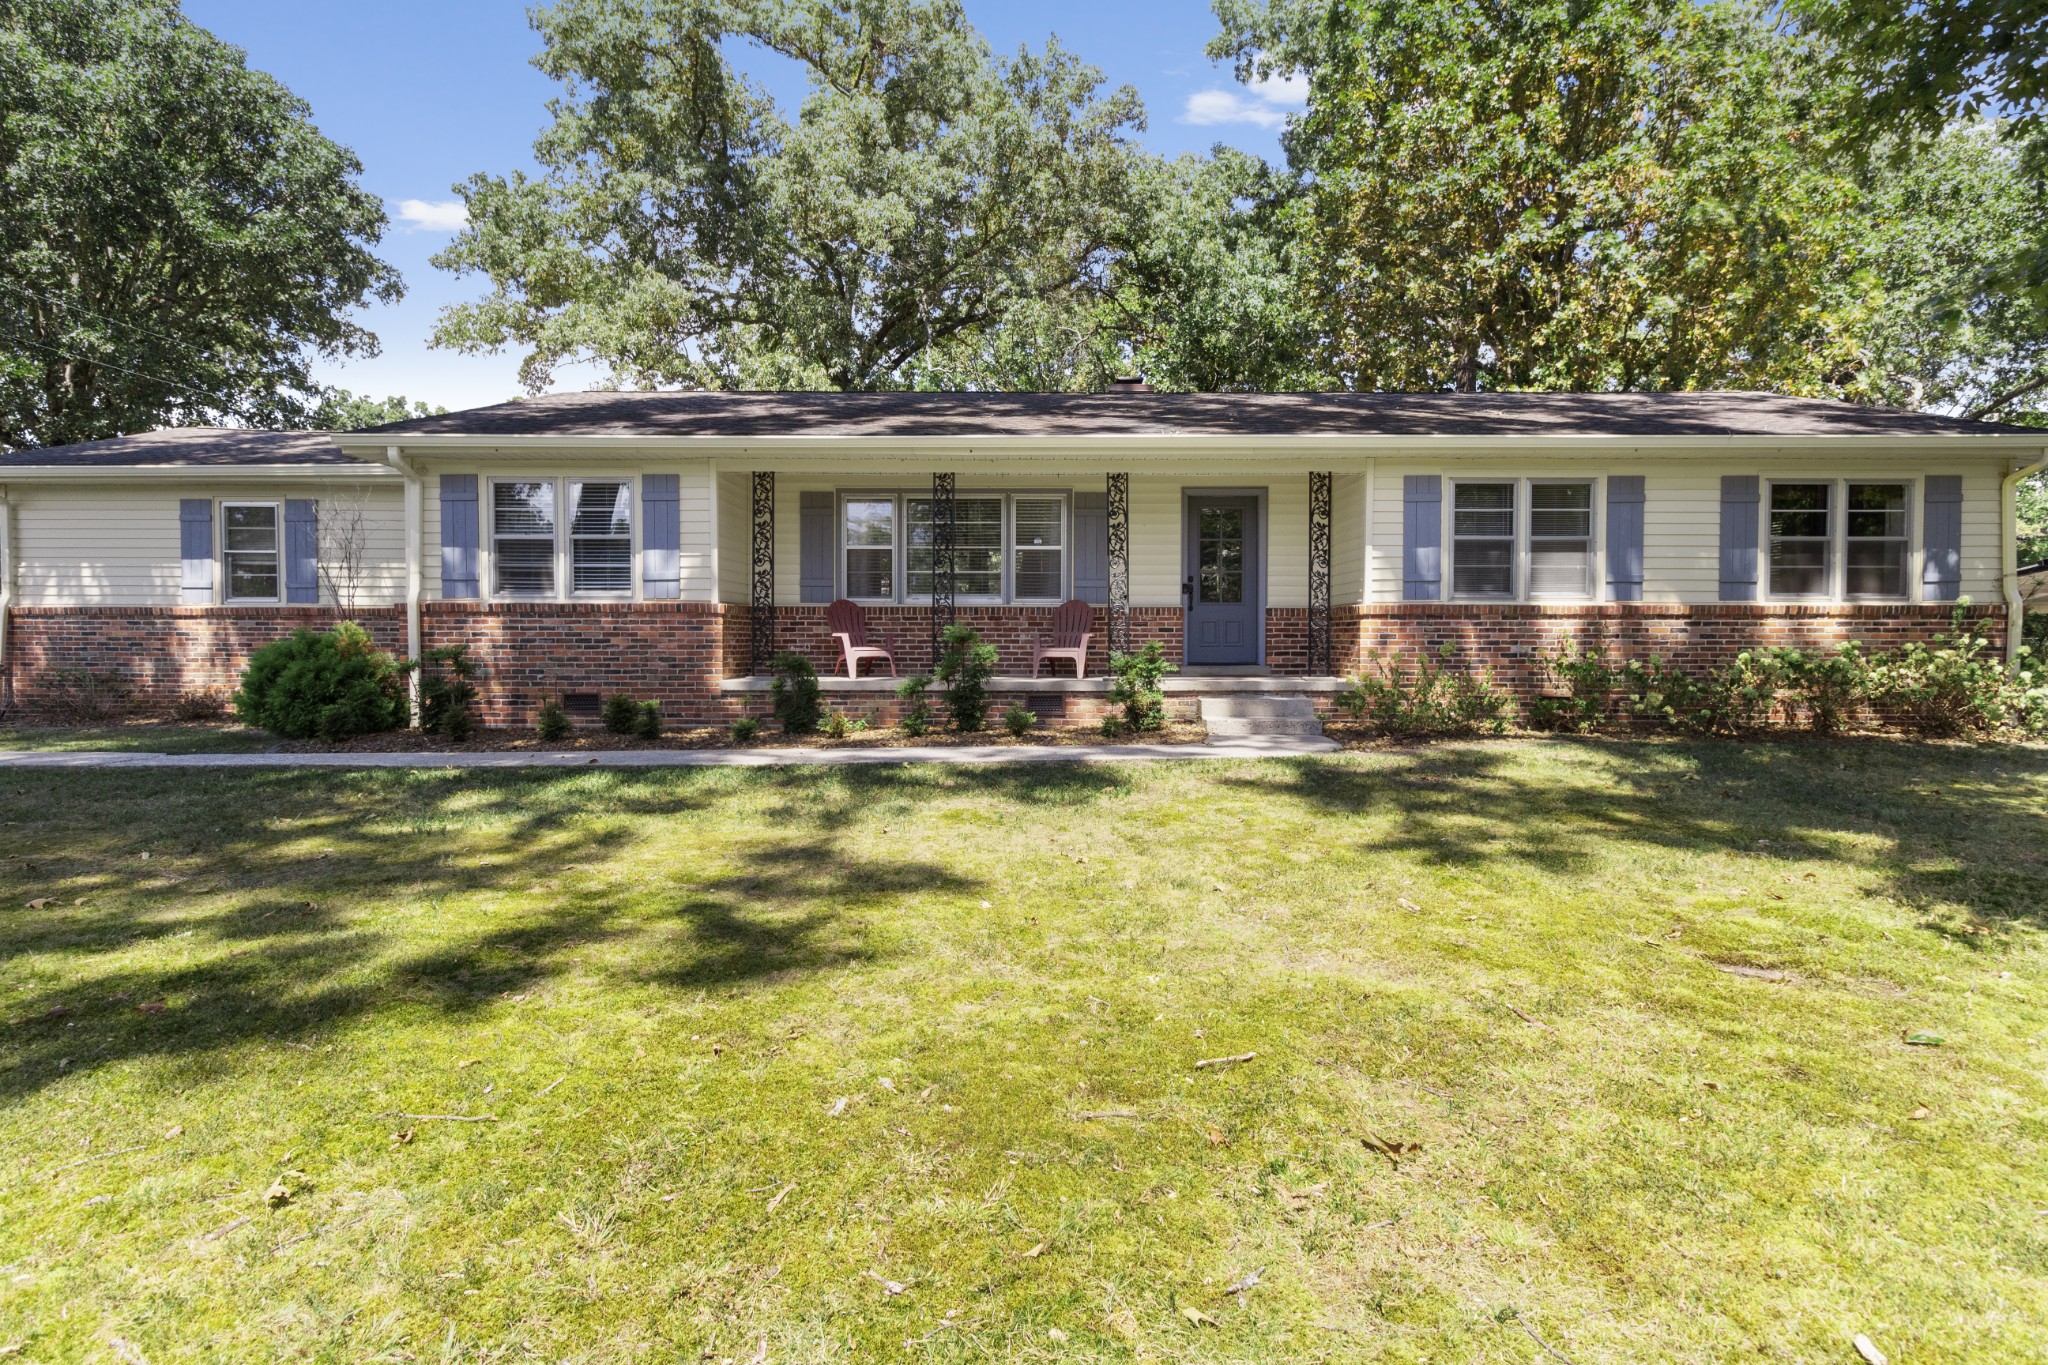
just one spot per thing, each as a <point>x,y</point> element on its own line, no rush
<point>251,567</point>
<point>1483,538</point>
<point>1007,547</point>
<point>1876,546</point>
<point>1801,522</point>
<point>1560,538</point>
<point>551,538</point>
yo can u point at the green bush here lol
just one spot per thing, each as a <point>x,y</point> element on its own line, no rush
<point>2034,633</point>
<point>322,684</point>
<point>647,720</point>
<point>621,713</point>
<point>795,694</point>
<point>917,717</point>
<point>1833,684</point>
<point>745,730</point>
<point>553,722</point>
<point>1112,727</point>
<point>1019,719</point>
<point>1956,685</point>
<point>839,725</point>
<point>447,696</point>
<point>1590,682</point>
<point>965,666</point>
<point>1134,685</point>
<point>1426,699</point>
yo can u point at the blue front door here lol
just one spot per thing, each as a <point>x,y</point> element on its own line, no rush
<point>1222,588</point>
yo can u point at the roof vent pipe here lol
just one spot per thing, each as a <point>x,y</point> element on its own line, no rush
<point>1130,383</point>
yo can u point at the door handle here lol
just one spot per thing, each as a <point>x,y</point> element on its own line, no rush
<point>1187,592</point>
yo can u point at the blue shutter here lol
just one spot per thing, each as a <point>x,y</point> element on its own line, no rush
<point>458,535</point>
<point>661,535</point>
<point>1091,547</point>
<point>301,550</point>
<point>1422,537</point>
<point>1941,572</point>
<point>1739,498</point>
<point>195,550</point>
<point>1625,538</point>
<point>814,544</point>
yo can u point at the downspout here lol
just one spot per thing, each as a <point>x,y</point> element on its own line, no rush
<point>6,598</point>
<point>415,533</point>
<point>2009,554</point>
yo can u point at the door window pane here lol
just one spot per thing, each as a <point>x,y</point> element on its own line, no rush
<point>601,536</point>
<point>523,537</point>
<point>1561,540</point>
<point>870,532</point>
<point>1874,563</point>
<point>1037,529</point>
<point>1483,540</point>
<point>977,547</point>
<point>1799,539</point>
<point>249,546</point>
<point>1219,555</point>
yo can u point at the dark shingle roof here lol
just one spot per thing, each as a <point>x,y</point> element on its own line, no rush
<point>1168,414</point>
<point>186,446</point>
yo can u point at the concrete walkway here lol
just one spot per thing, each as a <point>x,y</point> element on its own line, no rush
<point>1291,746</point>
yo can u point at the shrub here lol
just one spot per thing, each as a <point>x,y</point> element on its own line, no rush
<point>797,698</point>
<point>1672,696</point>
<point>965,666</point>
<point>1019,719</point>
<point>553,722</point>
<point>199,707</point>
<point>1134,685</point>
<point>2034,633</point>
<point>328,685</point>
<point>1953,686</point>
<point>447,696</point>
<point>1833,684</point>
<point>84,696</point>
<point>917,717</point>
<point>621,713</point>
<point>839,725</point>
<point>647,720</point>
<point>1112,727</point>
<point>745,730</point>
<point>1590,682</point>
<point>1429,698</point>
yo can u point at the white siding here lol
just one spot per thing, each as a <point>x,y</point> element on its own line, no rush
<point>735,537</point>
<point>1347,539</point>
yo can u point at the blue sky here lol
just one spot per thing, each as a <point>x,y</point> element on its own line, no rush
<point>429,91</point>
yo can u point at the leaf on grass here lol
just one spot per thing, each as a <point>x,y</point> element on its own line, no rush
<point>890,1287</point>
<point>402,1136</point>
<point>176,1130</point>
<point>1216,1138</point>
<point>1924,1040</point>
<point>1867,1348</point>
<point>1035,1252</point>
<point>1244,1283</point>
<point>781,1195</point>
<point>278,1195</point>
<point>1197,1317</point>
<point>1297,1200</point>
<point>1923,1112</point>
<point>40,901</point>
<point>152,1007</point>
<point>467,1062</point>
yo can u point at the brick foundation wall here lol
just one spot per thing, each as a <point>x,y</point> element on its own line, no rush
<point>1015,631</point>
<point>162,652</point>
<point>1514,639</point>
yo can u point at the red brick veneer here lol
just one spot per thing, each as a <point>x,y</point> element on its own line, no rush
<point>163,652</point>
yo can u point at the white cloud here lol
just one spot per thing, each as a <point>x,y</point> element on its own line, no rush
<point>423,215</point>
<point>1265,103</point>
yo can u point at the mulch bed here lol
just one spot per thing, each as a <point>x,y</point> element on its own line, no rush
<point>716,737</point>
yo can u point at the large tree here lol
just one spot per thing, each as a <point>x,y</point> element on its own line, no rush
<point>177,240</point>
<point>1567,194</point>
<point>685,230</point>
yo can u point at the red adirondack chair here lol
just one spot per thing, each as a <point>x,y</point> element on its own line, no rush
<point>849,626</point>
<point>1070,636</point>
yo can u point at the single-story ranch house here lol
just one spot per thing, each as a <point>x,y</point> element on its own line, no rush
<point>668,544</point>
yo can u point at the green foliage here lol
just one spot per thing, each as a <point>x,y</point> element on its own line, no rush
<point>1019,719</point>
<point>553,722</point>
<point>621,713</point>
<point>1590,681</point>
<point>795,694</point>
<point>1426,698</point>
<point>1737,698</point>
<point>839,725</point>
<point>2034,633</point>
<point>328,685</point>
<point>965,666</point>
<point>1135,685</point>
<point>448,692</point>
<point>917,717</point>
<point>1833,684</point>
<point>1956,685</point>
<point>746,730</point>
<point>177,239</point>
<point>341,410</point>
<point>684,230</point>
<point>647,720</point>
<point>1113,727</point>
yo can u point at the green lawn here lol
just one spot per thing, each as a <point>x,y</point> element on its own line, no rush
<point>1602,1043</point>
<point>149,737</point>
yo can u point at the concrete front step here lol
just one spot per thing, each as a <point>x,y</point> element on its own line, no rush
<point>1244,717</point>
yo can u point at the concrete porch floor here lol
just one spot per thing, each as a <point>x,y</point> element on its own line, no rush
<point>1191,683</point>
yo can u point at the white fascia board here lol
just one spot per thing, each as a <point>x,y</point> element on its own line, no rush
<point>215,473</point>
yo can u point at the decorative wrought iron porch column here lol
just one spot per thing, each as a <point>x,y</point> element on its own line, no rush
<point>1319,642</point>
<point>944,531</point>
<point>1119,563</point>
<point>762,563</point>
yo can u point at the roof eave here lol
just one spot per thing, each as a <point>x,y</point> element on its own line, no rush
<point>54,472</point>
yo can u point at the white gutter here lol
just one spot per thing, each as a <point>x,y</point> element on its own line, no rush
<point>415,552</point>
<point>2009,554</point>
<point>211,473</point>
<point>6,594</point>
